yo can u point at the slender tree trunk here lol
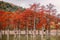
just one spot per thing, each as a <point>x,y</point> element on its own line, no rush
<point>0,35</point>
<point>39,34</point>
<point>34,35</point>
<point>56,34</point>
<point>48,28</point>
<point>27,33</point>
<point>31,34</point>
<point>18,29</point>
<point>15,35</point>
<point>42,35</point>
<point>34,30</point>
<point>8,34</point>
<point>19,33</point>
<point>48,34</point>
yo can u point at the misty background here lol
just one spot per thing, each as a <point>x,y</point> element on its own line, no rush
<point>26,3</point>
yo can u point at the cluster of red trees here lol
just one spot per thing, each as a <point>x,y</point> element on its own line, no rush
<point>27,18</point>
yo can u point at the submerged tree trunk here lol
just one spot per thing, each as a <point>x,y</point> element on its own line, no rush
<point>31,34</point>
<point>34,30</point>
<point>27,33</point>
<point>42,35</point>
<point>56,34</point>
<point>0,35</point>
<point>34,35</point>
<point>15,33</point>
<point>48,34</point>
<point>8,34</point>
<point>19,33</point>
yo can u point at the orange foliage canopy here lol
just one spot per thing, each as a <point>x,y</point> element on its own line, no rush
<point>25,19</point>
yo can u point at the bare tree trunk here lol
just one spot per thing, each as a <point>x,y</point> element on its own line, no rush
<point>0,35</point>
<point>42,35</point>
<point>34,35</point>
<point>48,28</point>
<point>27,33</point>
<point>56,34</point>
<point>48,34</point>
<point>39,34</point>
<point>31,34</point>
<point>34,30</point>
<point>19,34</point>
<point>8,34</point>
<point>15,35</point>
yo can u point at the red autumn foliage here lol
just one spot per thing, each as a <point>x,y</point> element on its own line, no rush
<point>26,19</point>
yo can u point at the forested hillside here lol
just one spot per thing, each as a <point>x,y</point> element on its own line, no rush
<point>9,7</point>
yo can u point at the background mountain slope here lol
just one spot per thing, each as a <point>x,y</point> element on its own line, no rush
<point>9,7</point>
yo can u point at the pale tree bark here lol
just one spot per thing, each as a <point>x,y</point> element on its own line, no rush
<point>0,35</point>
<point>18,25</point>
<point>48,34</point>
<point>56,34</point>
<point>15,33</point>
<point>39,33</point>
<point>8,31</point>
<point>42,35</point>
<point>27,33</point>
<point>19,33</point>
<point>34,30</point>
<point>31,34</point>
<point>8,34</point>
<point>34,35</point>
